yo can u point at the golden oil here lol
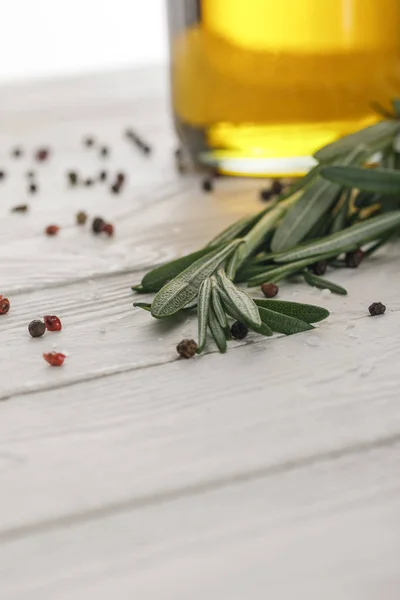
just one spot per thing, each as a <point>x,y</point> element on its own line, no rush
<point>259,85</point>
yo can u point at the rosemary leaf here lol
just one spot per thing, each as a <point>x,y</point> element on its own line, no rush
<point>309,209</point>
<point>203,309</point>
<point>304,312</point>
<point>378,181</point>
<point>340,219</point>
<point>372,139</point>
<point>217,331</point>
<point>242,302</point>
<point>257,234</point>
<point>182,289</point>
<point>324,284</point>
<point>143,305</point>
<point>219,311</point>
<point>282,271</point>
<point>158,277</point>
<point>343,241</point>
<point>283,323</point>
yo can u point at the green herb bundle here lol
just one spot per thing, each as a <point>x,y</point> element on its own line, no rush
<point>339,207</point>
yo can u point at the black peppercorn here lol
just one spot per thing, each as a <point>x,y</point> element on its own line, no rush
<point>319,268</point>
<point>239,330</point>
<point>36,328</point>
<point>115,188</point>
<point>353,259</point>
<point>276,187</point>
<point>17,152</point>
<point>103,175</point>
<point>33,188</point>
<point>30,174</point>
<point>88,182</point>
<point>104,151</point>
<point>186,348</point>
<point>270,290</point>
<point>207,184</point>
<point>72,177</point>
<point>265,194</point>
<point>98,224</point>
<point>377,308</point>
<point>2,174</point>
<point>88,142</point>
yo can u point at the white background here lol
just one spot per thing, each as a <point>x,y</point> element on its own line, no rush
<point>42,38</point>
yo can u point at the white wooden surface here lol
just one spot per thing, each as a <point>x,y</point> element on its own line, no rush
<point>272,471</point>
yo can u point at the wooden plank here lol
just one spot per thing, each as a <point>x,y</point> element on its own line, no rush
<point>121,437</point>
<point>159,215</point>
<point>103,334</point>
<point>328,531</point>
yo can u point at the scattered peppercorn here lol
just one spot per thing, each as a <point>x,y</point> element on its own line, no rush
<point>207,184</point>
<point>42,154</point>
<point>266,194</point>
<point>17,152</point>
<point>270,290</point>
<point>97,225</point>
<point>103,175</point>
<point>319,268</point>
<point>377,308</point>
<point>139,142</point>
<point>20,208</point>
<point>55,359</point>
<point>4,305</point>
<point>88,182</point>
<point>120,179</point>
<point>72,177</point>
<point>88,142</point>
<point>36,328</point>
<point>52,323</point>
<point>81,217</point>
<point>276,187</point>
<point>108,228</point>
<point>353,259</point>
<point>33,188</point>
<point>104,151</point>
<point>115,188</point>
<point>239,330</point>
<point>2,175</point>
<point>186,348</point>
<point>52,230</point>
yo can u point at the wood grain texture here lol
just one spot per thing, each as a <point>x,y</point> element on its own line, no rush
<point>270,471</point>
<point>328,530</point>
<point>138,427</point>
<point>158,216</point>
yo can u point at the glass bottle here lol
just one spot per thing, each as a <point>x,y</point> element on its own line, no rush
<point>259,85</point>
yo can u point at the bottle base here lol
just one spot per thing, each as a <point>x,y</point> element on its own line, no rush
<point>262,150</point>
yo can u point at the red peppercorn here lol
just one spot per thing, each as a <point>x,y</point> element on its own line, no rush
<point>42,154</point>
<point>55,359</point>
<point>270,290</point>
<point>52,323</point>
<point>4,305</point>
<point>52,230</point>
<point>108,228</point>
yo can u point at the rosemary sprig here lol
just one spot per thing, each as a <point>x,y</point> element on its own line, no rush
<point>335,209</point>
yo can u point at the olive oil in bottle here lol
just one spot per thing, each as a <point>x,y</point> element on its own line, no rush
<point>259,85</point>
